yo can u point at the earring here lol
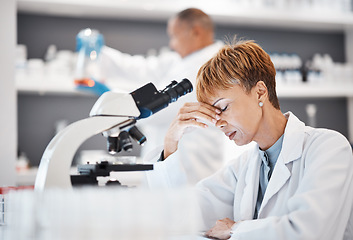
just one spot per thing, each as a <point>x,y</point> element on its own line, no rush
<point>261,104</point>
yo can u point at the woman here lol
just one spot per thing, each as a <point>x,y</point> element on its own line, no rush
<point>295,183</point>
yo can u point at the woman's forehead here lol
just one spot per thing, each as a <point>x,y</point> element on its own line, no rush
<point>219,94</point>
<point>215,95</point>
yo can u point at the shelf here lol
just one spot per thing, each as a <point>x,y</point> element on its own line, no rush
<point>59,85</point>
<point>226,12</point>
<point>65,86</point>
<point>315,91</point>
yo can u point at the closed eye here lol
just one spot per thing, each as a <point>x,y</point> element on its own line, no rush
<point>225,108</point>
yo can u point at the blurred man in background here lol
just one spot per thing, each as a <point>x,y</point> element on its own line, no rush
<point>191,34</point>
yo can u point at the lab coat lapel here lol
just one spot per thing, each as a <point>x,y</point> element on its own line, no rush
<point>248,202</point>
<point>279,177</point>
<point>291,150</point>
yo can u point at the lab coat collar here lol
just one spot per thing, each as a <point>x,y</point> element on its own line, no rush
<point>293,138</point>
<point>291,151</point>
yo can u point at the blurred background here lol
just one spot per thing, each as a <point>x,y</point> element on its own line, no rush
<point>310,43</point>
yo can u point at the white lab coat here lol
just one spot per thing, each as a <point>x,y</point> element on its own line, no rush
<point>309,196</point>
<point>128,72</point>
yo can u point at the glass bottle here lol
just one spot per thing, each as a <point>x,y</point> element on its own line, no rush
<point>89,43</point>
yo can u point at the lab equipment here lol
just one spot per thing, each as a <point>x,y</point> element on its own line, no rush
<point>112,114</point>
<point>88,173</point>
<point>323,70</point>
<point>288,68</point>
<point>92,213</point>
<point>92,85</point>
<point>88,45</point>
<point>4,191</point>
<point>21,57</point>
<point>51,53</point>
<point>311,110</point>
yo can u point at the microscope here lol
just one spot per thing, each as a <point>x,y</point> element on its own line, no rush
<point>114,115</point>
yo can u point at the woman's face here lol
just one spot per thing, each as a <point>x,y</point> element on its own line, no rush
<point>241,115</point>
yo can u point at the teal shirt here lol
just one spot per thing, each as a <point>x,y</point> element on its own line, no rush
<point>269,159</point>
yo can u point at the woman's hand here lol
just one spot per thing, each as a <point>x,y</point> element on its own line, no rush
<point>190,116</point>
<point>222,229</point>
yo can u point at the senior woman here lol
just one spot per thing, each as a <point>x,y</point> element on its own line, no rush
<point>296,182</point>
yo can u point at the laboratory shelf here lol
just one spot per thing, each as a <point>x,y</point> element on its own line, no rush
<point>67,87</point>
<point>63,86</point>
<point>223,12</point>
<point>305,90</point>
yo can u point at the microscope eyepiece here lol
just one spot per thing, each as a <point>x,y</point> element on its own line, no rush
<point>176,90</point>
<point>149,100</point>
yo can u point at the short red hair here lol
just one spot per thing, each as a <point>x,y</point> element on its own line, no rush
<point>244,63</point>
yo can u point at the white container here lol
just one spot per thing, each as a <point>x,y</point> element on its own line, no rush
<point>102,213</point>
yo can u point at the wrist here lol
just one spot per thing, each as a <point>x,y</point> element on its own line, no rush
<point>234,227</point>
<point>169,147</point>
<point>167,152</point>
